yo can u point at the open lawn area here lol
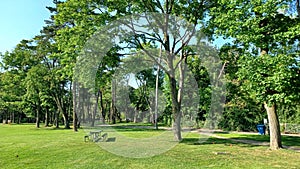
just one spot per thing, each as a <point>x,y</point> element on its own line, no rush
<point>24,146</point>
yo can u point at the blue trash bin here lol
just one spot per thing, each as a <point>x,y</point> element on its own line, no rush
<point>261,129</point>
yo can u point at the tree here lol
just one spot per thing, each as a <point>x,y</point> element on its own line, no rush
<point>35,89</point>
<point>50,56</point>
<point>16,65</point>
<point>201,75</point>
<point>79,20</point>
<point>140,97</point>
<point>38,62</point>
<point>266,38</point>
<point>11,103</point>
<point>88,17</point>
<point>242,113</point>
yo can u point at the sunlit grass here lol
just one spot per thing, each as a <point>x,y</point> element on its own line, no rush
<point>24,146</point>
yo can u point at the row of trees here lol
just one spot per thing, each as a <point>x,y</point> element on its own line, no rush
<point>261,64</point>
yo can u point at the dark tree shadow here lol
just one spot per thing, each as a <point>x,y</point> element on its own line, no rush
<point>212,141</point>
<point>111,139</point>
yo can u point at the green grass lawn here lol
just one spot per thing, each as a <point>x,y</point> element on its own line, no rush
<point>24,146</point>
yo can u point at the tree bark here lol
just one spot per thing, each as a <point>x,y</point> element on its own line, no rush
<point>64,114</point>
<point>102,107</point>
<point>20,119</point>
<point>66,121</point>
<point>95,108</point>
<point>275,135</point>
<point>51,117</point>
<point>156,93</point>
<point>37,124</point>
<point>136,112</point>
<point>113,106</point>
<point>56,119</point>
<point>175,110</point>
<point>177,95</point>
<point>38,116</point>
<point>74,85</point>
<point>112,113</point>
<point>47,117</point>
<point>60,106</point>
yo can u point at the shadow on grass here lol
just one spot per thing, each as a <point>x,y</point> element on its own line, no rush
<point>214,141</point>
<point>291,140</point>
<point>127,128</point>
<point>221,132</point>
<point>111,139</point>
<point>135,128</point>
<point>286,140</point>
<point>50,128</point>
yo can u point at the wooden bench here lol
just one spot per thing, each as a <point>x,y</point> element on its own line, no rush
<point>94,136</point>
<point>102,138</point>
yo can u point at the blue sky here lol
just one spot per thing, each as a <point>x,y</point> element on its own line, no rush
<point>21,19</point>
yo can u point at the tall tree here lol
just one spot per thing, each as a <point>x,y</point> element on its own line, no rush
<point>265,35</point>
<point>47,50</point>
<point>16,66</point>
<point>35,89</point>
<point>80,18</point>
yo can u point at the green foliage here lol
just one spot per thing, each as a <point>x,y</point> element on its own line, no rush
<point>257,26</point>
<point>270,77</point>
<point>261,64</point>
<point>204,85</point>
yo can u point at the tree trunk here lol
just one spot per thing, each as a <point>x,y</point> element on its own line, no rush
<point>64,114</point>
<point>102,107</point>
<point>156,90</point>
<point>56,119</point>
<point>176,96</point>
<point>175,110</point>
<point>37,123</point>
<point>38,116</point>
<point>95,109</point>
<point>13,118</point>
<point>47,117</point>
<point>20,119</point>
<point>65,117</point>
<point>113,108</point>
<point>74,106</point>
<point>82,112</point>
<point>136,112</point>
<point>156,97</point>
<point>66,120</point>
<point>51,117</point>
<point>112,113</point>
<point>177,127</point>
<point>275,135</point>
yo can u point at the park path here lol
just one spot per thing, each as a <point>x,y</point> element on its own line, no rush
<point>252,142</point>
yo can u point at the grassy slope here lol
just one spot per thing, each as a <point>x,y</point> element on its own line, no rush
<point>23,146</point>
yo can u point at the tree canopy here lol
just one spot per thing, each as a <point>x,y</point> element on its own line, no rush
<point>80,66</point>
